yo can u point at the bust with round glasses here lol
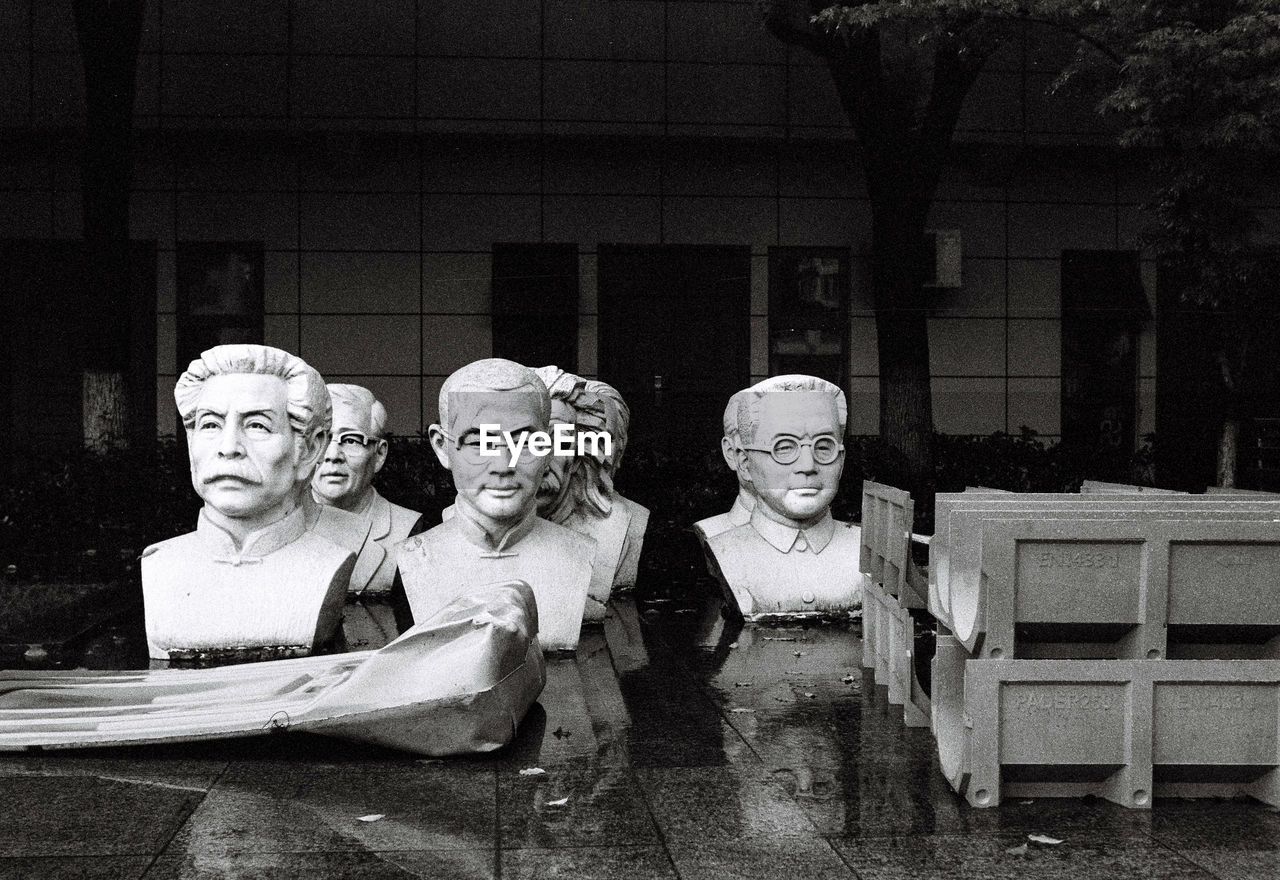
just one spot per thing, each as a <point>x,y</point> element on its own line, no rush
<point>495,533</point>
<point>357,450</point>
<point>791,555</point>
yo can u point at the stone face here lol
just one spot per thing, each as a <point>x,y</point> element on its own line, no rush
<point>577,491</point>
<point>357,450</point>
<point>789,556</point>
<point>253,575</point>
<point>495,533</point>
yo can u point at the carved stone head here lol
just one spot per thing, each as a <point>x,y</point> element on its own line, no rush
<point>506,397</point>
<point>579,483</point>
<point>791,430</point>
<point>357,448</point>
<point>257,421</point>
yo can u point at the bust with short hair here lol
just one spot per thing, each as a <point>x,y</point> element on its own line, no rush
<point>251,581</point>
<point>791,556</point>
<point>745,502</point>
<point>356,452</point>
<point>495,533</point>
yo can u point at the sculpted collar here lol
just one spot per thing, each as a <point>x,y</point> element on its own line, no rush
<point>494,545</point>
<point>740,513</point>
<point>218,543</point>
<point>786,538</point>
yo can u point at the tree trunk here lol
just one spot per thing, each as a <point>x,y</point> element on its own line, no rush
<point>108,32</point>
<point>1228,453</point>
<point>902,329</point>
<point>105,405</point>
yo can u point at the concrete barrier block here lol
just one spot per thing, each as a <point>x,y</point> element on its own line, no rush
<point>1124,730</point>
<point>1125,588</point>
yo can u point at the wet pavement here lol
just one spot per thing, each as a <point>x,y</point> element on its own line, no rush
<point>674,744</point>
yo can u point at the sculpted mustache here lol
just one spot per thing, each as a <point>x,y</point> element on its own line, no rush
<point>234,474</point>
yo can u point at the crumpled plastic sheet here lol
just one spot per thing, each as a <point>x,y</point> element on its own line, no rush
<point>458,682</point>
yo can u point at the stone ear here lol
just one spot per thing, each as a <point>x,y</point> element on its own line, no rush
<point>311,450</point>
<point>380,450</point>
<point>439,443</point>
<point>729,450</point>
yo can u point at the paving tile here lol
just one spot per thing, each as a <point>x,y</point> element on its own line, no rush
<point>938,857</point>
<point>588,863</point>
<point>75,868</point>
<point>761,857</point>
<point>454,864</point>
<point>1235,839</point>
<point>425,807</point>
<point>88,815</point>
<point>721,804</point>
<point>137,766</point>
<point>603,805</point>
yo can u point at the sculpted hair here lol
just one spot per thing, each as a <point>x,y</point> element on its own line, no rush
<point>589,484</point>
<point>359,396</point>
<point>730,419</point>
<point>308,399</point>
<point>617,417</point>
<point>753,397</point>
<point>491,375</point>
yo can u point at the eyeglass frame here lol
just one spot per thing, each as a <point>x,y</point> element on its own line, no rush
<point>480,457</point>
<point>800,444</point>
<point>364,441</point>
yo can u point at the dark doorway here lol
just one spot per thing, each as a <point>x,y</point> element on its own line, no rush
<point>674,331</point>
<point>1103,309</point>
<point>47,333</point>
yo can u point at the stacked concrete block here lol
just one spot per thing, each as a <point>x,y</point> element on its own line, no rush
<point>1052,675</point>
<point>892,587</point>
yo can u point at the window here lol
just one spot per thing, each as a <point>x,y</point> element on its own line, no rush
<point>809,312</point>
<point>219,296</point>
<point>535,304</point>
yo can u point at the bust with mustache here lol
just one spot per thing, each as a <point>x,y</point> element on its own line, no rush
<point>790,556</point>
<point>252,581</point>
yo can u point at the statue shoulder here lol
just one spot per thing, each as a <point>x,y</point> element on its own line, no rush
<point>321,547</point>
<point>179,544</point>
<point>568,540</point>
<point>403,519</point>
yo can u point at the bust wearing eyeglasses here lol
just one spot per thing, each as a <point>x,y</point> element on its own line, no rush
<point>791,556</point>
<point>252,581</point>
<point>495,533</point>
<point>356,452</point>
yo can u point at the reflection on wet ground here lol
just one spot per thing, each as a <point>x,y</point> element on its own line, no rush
<point>674,744</point>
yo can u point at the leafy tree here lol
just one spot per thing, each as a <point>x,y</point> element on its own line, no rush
<point>1194,82</point>
<point>1199,87</point>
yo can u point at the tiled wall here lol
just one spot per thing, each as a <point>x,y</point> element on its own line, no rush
<point>379,147</point>
<point>378,268</point>
<point>669,67</point>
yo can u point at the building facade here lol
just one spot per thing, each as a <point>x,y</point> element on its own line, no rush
<point>655,192</point>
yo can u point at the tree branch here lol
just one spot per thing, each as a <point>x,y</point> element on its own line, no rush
<point>777,21</point>
<point>1111,54</point>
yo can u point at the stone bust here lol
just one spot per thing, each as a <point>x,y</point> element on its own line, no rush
<point>791,556</point>
<point>577,491</point>
<point>252,577</point>
<point>495,533</point>
<point>740,512</point>
<point>357,450</point>
<point>618,424</point>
